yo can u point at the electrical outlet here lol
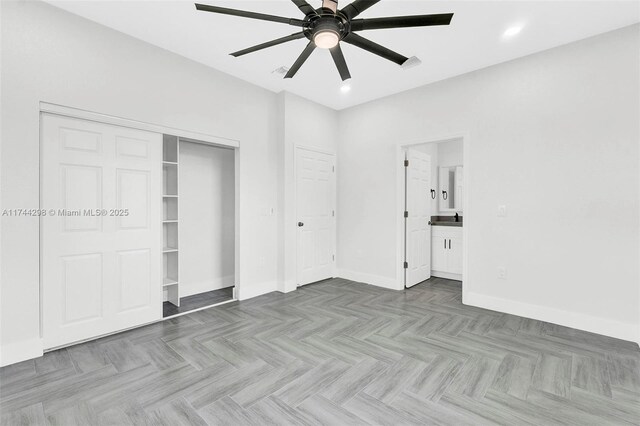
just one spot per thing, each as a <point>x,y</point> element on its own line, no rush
<point>502,211</point>
<point>502,273</point>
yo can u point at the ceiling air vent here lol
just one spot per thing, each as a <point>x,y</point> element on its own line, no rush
<point>280,71</point>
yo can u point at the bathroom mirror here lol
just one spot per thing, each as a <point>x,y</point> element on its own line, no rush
<point>450,188</point>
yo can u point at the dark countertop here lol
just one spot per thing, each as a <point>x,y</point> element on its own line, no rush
<point>446,221</point>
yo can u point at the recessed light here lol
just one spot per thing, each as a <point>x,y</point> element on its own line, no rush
<point>345,88</point>
<point>511,31</point>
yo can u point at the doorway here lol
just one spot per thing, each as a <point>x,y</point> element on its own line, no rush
<point>316,214</point>
<point>199,226</point>
<point>434,206</point>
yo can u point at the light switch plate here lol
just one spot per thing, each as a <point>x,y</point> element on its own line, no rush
<point>502,273</point>
<point>502,211</point>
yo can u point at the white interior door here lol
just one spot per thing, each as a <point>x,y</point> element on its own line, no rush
<point>315,210</point>
<point>101,249</point>
<point>418,208</point>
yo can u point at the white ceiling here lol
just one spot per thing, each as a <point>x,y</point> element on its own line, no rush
<point>474,39</point>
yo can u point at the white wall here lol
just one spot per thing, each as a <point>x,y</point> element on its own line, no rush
<point>207,218</point>
<point>450,153</point>
<point>50,55</point>
<point>554,137</point>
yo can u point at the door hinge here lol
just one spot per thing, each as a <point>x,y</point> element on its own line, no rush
<point>333,257</point>
<point>406,265</point>
<point>406,163</point>
<point>333,169</point>
<point>333,213</point>
<point>406,214</point>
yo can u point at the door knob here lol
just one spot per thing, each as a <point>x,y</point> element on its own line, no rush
<point>300,224</point>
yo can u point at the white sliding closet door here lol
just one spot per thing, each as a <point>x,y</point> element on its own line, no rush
<point>101,272</point>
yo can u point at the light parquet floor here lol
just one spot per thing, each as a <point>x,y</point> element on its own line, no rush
<point>333,353</point>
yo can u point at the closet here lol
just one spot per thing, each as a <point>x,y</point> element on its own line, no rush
<point>139,225</point>
<point>198,224</point>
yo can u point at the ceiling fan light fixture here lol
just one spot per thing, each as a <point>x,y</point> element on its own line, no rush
<point>326,39</point>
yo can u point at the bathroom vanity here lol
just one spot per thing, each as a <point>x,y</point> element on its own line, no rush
<point>446,247</point>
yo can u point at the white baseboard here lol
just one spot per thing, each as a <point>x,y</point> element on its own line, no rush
<point>606,327</point>
<point>20,351</point>
<point>385,282</point>
<point>447,275</point>
<point>287,286</point>
<point>189,289</point>
<point>254,290</point>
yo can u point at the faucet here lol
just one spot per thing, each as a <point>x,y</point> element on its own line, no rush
<point>457,217</point>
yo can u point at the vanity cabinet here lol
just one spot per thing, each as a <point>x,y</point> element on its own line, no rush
<point>446,252</point>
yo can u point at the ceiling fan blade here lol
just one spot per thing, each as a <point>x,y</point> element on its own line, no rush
<point>341,64</point>
<point>305,7</point>
<point>252,15</point>
<point>301,59</point>
<point>271,43</point>
<point>372,47</point>
<point>357,7</point>
<point>401,22</point>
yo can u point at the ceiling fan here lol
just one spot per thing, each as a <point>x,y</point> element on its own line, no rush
<point>327,26</point>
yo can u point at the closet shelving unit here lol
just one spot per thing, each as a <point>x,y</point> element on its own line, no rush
<point>170,220</point>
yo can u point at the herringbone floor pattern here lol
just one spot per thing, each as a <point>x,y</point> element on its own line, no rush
<point>334,353</point>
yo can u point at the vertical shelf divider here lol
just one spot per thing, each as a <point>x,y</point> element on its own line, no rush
<point>170,220</point>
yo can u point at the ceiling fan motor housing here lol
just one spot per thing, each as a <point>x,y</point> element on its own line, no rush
<point>327,22</point>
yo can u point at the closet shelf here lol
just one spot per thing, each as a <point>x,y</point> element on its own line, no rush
<point>170,196</point>
<point>168,281</point>
<point>170,221</point>
<point>170,162</point>
<point>169,249</point>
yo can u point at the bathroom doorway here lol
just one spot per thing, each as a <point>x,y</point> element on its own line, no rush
<point>433,203</point>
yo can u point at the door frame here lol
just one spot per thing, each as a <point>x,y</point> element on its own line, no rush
<point>206,139</point>
<point>401,147</point>
<point>295,207</point>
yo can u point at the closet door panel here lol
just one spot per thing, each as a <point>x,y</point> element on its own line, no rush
<point>100,266</point>
<point>134,283</point>
<point>82,298</point>
<point>132,199</point>
<point>81,188</point>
